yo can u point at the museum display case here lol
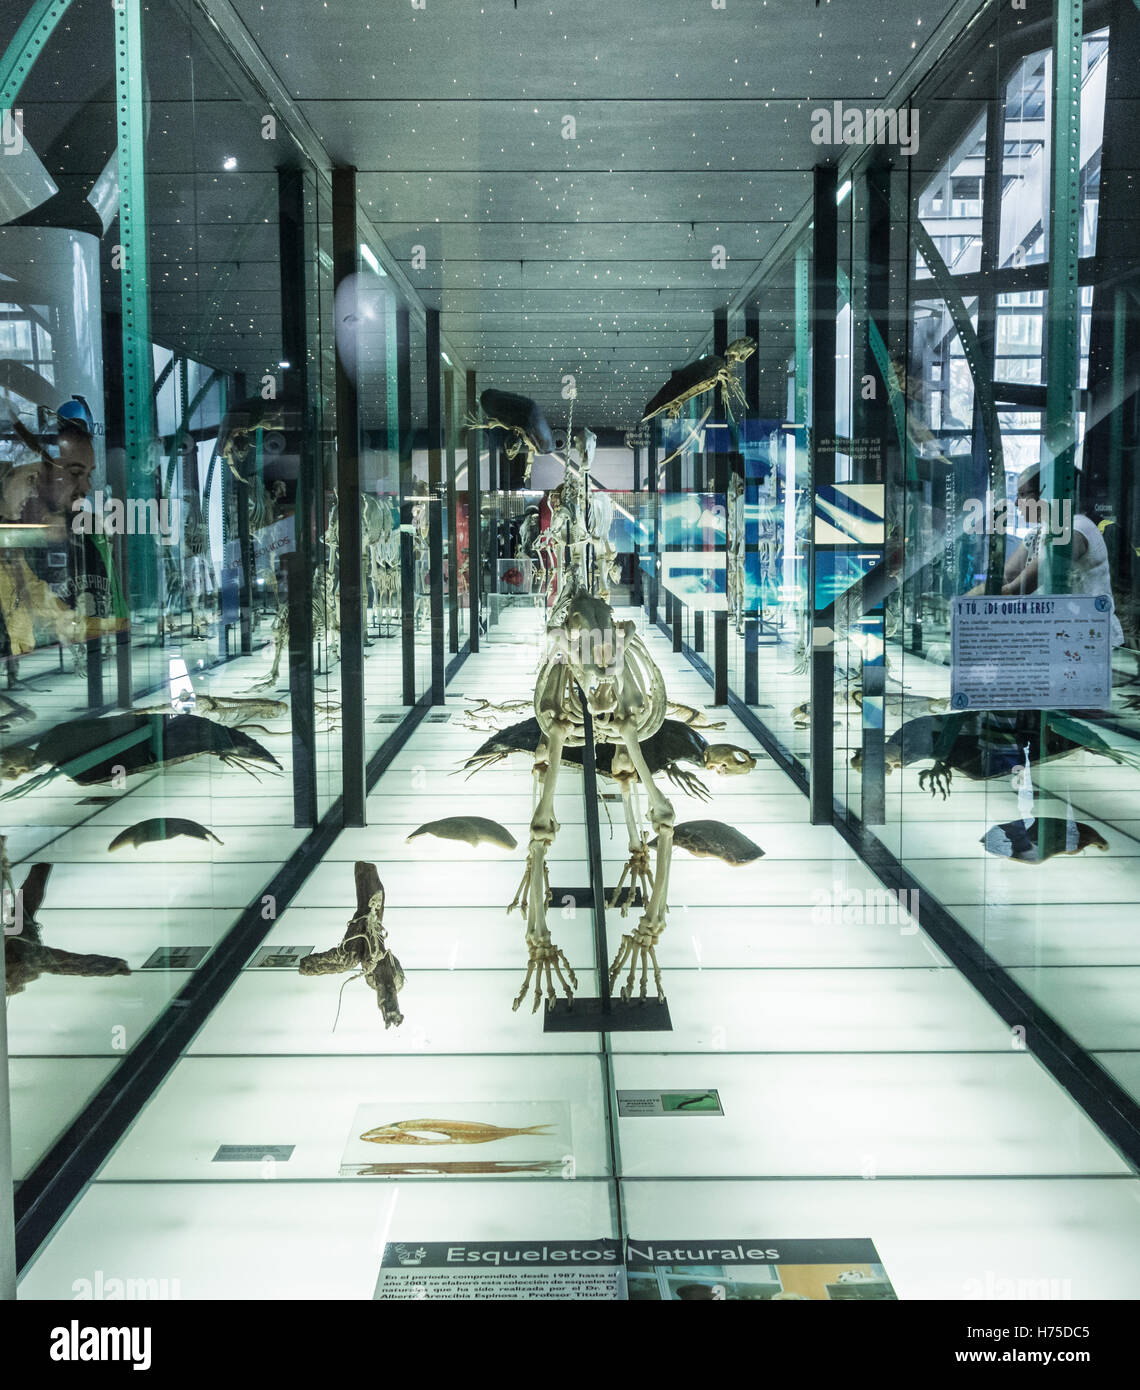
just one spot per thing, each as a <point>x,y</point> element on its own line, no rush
<point>567,650</point>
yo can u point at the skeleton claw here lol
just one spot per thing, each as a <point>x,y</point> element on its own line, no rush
<point>545,962</point>
<point>940,777</point>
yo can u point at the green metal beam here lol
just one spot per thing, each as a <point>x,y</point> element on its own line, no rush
<point>983,387</point>
<point>27,44</point>
<point>803,336</point>
<point>138,368</point>
<point>1062,361</point>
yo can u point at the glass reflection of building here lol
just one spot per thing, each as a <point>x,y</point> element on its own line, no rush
<point>241,284</point>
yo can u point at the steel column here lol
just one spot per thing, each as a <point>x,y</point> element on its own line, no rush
<point>871,311</point>
<point>673,605</point>
<point>138,370</point>
<point>452,534</point>
<point>349,541</point>
<point>654,546</point>
<point>1058,453</point>
<point>435,503</point>
<point>825,295</point>
<point>474,509</point>
<point>407,517</point>
<point>751,526</point>
<point>719,466</point>
<point>637,588</point>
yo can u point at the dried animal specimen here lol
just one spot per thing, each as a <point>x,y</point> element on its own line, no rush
<point>364,947</point>
<point>484,1167</point>
<point>26,957</point>
<point>712,839</point>
<point>1034,841</point>
<point>450,1132</point>
<point>136,742</point>
<point>147,832</point>
<point>694,718</point>
<point>470,830</point>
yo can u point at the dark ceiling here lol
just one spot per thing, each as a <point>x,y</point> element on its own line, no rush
<point>591,255</point>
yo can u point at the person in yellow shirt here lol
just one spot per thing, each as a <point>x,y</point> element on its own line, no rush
<point>26,600</point>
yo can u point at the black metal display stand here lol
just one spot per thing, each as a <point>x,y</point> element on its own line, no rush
<point>603,1014</point>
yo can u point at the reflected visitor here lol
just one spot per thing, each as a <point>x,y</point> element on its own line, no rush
<point>1088,566</point>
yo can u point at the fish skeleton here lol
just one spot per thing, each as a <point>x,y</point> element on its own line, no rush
<point>160,828</point>
<point>453,1132</point>
<point>471,830</point>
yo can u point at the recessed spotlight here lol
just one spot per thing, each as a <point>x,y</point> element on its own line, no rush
<point>230,162</point>
<point>283,366</point>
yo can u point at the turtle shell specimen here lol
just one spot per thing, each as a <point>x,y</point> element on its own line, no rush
<point>521,414</point>
<point>1034,841</point>
<point>697,378</point>
<point>712,839</point>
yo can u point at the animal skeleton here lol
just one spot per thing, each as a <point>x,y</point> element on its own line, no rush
<point>597,664</point>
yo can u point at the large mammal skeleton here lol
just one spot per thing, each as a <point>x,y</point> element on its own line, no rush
<point>595,663</point>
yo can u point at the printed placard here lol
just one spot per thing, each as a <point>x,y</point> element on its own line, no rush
<point>634,1103</point>
<point>253,1153</point>
<point>513,1270</point>
<point>279,957</point>
<point>175,958</point>
<point>1044,651</point>
<point>755,1270</point>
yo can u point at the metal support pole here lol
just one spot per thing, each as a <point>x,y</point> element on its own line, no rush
<point>637,588</point>
<point>719,468</point>
<point>474,508</point>
<point>825,295</point>
<point>352,598</point>
<point>871,310</point>
<point>1058,453</point>
<point>140,555</point>
<point>452,535</point>
<point>301,566</point>
<point>751,524</point>
<point>407,517</point>
<point>494,499</point>
<point>654,548</point>
<point>240,495</point>
<point>435,502</point>
<point>674,605</point>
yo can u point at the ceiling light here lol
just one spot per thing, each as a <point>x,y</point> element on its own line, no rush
<point>230,162</point>
<point>844,189</point>
<point>371,260</point>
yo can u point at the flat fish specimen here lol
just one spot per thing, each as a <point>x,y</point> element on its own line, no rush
<point>146,832</point>
<point>484,1166</point>
<point>1034,841</point>
<point>712,839</point>
<point>471,830</point>
<point>448,1132</point>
